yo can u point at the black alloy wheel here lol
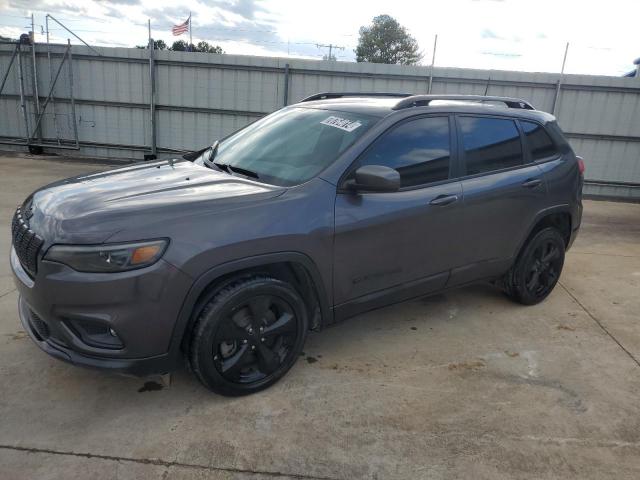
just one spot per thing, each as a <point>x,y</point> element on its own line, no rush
<point>254,339</point>
<point>543,268</point>
<point>537,269</point>
<point>248,335</point>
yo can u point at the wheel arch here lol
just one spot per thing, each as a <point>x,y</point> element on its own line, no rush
<point>558,217</point>
<point>293,267</point>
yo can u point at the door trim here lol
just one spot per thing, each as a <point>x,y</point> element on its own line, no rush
<point>389,296</point>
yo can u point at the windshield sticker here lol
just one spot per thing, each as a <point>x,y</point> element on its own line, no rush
<point>341,123</point>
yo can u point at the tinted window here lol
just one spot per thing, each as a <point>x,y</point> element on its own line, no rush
<point>490,144</point>
<point>418,149</point>
<point>538,141</point>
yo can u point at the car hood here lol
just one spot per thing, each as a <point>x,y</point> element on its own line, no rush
<point>90,208</point>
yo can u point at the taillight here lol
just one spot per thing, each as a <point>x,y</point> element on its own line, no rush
<point>580,164</point>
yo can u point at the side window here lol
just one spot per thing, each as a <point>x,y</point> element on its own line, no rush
<point>418,149</point>
<point>490,144</point>
<point>538,141</point>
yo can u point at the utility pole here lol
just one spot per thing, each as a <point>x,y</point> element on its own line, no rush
<point>331,47</point>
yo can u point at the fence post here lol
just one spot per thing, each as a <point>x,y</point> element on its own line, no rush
<point>23,107</point>
<point>71,97</point>
<point>34,80</point>
<point>433,61</point>
<point>286,84</point>
<point>152,100</point>
<point>557,95</point>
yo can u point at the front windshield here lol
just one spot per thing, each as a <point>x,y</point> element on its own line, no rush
<point>291,145</point>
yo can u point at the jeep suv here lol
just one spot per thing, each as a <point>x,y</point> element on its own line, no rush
<point>336,205</point>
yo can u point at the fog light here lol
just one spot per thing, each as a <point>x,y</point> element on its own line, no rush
<point>95,333</point>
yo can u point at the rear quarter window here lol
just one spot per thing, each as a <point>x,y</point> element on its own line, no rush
<point>538,141</point>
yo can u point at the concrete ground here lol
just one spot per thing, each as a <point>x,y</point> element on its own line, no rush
<point>461,385</point>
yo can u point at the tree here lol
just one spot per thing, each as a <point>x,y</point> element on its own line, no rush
<point>205,47</point>
<point>182,46</point>
<point>386,41</point>
<point>157,45</point>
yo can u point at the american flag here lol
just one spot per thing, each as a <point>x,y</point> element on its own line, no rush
<point>181,27</point>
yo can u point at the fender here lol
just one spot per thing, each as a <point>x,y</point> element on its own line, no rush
<point>563,208</point>
<point>202,282</point>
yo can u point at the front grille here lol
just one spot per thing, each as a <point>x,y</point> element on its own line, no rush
<point>39,326</point>
<point>26,243</point>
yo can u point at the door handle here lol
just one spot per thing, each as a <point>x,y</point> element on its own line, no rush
<point>532,183</point>
<point>442,200</point>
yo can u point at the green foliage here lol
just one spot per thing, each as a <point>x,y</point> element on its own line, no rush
<point>386,41</point>
<point>182,46</point>
<point>205,47</point>
<point>157,45</point>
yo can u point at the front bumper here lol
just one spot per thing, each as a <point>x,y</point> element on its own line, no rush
<point>141,306</point>
<point>140,367</point>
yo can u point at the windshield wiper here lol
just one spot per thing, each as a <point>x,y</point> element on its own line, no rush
<point>225,167</point>
<point>208,159</point>
<point>242,171</point>
<point>222,166</point>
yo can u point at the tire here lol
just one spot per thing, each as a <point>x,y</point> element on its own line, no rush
<point>248,335</point>
<point>537,269</point>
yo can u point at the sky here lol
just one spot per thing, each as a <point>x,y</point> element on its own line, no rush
<point>524,35</point>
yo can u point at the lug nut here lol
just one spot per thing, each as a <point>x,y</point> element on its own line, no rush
<point>262,339</point>
<point>253,347</point>
<point>261,329</point>
<point>250,330</point>
<point>244,341</point>
<point>215,357</point>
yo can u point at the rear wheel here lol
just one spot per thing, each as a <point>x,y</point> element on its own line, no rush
<point>248,336</point>
<point>537,269</point>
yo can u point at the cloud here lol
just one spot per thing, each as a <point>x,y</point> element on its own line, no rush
<point>245,8</point>
<point>120,2</point>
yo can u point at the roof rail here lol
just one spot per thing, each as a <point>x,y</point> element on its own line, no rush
<point>327,95</point>
<point>424,100</point>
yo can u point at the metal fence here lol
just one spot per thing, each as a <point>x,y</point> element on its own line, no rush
<point>117,102</point>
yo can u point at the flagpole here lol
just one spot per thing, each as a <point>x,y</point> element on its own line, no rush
<point>190,37</point>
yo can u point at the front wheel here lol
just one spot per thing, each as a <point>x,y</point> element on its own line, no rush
<point>537,269</point>
<point>248,336</point>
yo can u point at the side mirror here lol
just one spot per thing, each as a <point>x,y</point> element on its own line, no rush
<point>375,178</point>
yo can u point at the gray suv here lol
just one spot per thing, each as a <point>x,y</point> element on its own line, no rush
<point>322,210</point>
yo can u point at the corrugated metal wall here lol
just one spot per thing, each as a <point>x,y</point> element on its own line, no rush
<point>201,97</point>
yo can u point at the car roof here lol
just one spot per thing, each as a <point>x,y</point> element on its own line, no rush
<point>381,106</point>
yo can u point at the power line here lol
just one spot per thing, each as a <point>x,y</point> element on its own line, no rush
<point>331,47</point>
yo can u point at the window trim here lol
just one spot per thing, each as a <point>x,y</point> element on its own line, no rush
<point>528,147</point>
<point>453,154</point>
<point>462,163</point>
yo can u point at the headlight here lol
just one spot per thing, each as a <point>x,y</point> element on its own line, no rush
<point>108,258</point>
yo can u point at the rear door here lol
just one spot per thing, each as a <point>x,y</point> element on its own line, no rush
<point>503,192</point>
<point>407,239</point>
